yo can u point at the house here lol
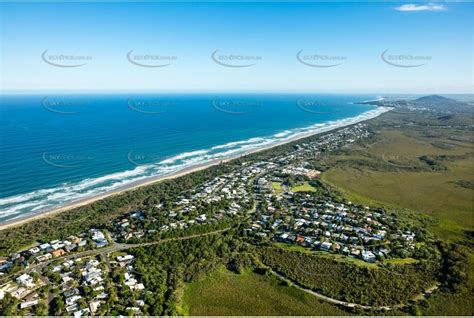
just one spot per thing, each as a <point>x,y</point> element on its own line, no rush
<point>27,304</point>
<point>72,300</point>
<point>6,265</point>
<point>71,247</point>
<point>94,305</point>
<point>25,280</point>
<point>58,253</point>
<point>44,257</point>
<point>34,250</point>
<point>99,288</point>
<point>71,292</point>
<point>137,215</point>
<point>299,239</point>
<point>97,235</point>
<point>283,237</point>
<point>72,308</point>
<point>57,245</point>
<point>125,259</point>
<point>368,256</point>
<point>19,293</point>
<point>325,246</point>
<point>131,283</point>
<point>102,296</point>
<point>408,236</point>
<point>173,214</point>
<point>133,309</point>
<point>45,246</point>
<point>81,312</point>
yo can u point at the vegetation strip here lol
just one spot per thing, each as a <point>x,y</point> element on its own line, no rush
<point>350,305</point>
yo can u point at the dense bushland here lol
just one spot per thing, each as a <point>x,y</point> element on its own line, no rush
<point>394,284</point>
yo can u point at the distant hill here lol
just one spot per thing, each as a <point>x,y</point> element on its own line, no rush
<point>435,99</point>
<point>443,104</point>
<point>435,103</point>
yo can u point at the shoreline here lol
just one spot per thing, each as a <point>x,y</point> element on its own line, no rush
<point>151,180</point>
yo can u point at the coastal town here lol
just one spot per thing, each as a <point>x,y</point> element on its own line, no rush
<point>69,277</point>
<point>236,158</point>
<point>278,200</point>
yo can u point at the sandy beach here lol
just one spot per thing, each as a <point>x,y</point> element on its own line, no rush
<point>151,180</point>
<point>68,206</point>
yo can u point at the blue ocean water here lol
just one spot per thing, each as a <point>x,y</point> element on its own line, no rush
<point>56,149</point>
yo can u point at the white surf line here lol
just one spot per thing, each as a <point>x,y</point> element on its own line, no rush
<point>55,197</point>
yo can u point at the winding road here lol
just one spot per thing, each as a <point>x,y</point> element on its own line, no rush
<point>428,291</point>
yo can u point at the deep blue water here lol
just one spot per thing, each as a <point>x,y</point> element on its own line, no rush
<point>59,148</point>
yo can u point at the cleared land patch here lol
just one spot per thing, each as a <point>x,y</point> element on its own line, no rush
<point>226,293</point>
<point>305,187</point>
<point>277,187</point>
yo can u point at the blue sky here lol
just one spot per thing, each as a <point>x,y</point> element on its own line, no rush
<point>352,35</point>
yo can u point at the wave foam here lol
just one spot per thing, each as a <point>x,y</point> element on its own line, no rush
<point>37,201</point>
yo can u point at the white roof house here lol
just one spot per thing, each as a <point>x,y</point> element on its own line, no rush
<point>25,280</point>
<point>368,256</point>
<point>93,306</point>
<point>126,258</point>
<point>27,304</point>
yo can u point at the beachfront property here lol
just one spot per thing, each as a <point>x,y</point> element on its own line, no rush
<point>279,212</point>
<point>234,194</point>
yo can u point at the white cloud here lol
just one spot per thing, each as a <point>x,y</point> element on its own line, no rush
<point>422,7</point>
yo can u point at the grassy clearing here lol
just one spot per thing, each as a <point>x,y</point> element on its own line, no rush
<point>306,187</point>
<point>293,247</point>
<point>399,261</point>
<point>226,293</point>
<point>277,187</point>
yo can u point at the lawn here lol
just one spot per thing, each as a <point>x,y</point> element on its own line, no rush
<point>398,261</point>
<point>306,187</point>
<point>226,293</point>
<point>277,187</point>
<point>294,247</point>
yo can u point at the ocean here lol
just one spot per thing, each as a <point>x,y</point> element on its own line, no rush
<point>57,149</point>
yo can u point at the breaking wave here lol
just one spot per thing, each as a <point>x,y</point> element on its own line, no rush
<point>46,199</point>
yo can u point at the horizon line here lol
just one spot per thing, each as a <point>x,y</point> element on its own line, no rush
<point>191,91</point>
